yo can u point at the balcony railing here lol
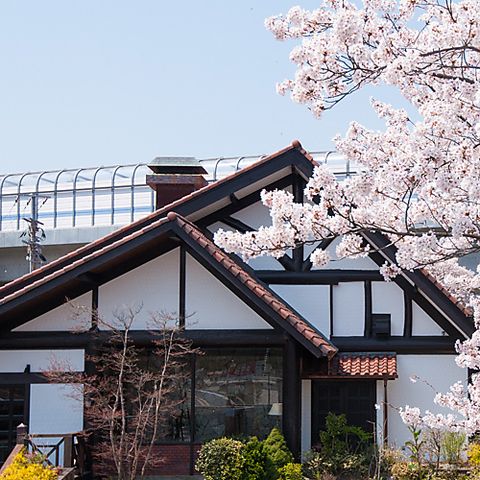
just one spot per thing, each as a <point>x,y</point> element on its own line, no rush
<point>115,195</point>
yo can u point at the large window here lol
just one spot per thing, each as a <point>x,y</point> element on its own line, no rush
<point>238,391</point>
<point>235,390</point>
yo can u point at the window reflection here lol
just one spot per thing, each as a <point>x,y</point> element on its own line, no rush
<point>235,391</point>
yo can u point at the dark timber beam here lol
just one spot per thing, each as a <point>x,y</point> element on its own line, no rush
<point>368,309</point>
<point>317,277</point>
<point>398,344</point>
<point>200,338</point>
<point>292,386</point>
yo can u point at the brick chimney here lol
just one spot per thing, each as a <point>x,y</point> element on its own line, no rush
<point>175,177</point>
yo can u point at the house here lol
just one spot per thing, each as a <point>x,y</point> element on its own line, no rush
<point>274,332</point>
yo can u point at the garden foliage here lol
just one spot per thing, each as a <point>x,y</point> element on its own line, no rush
<point>343,450</point>
<point>231,459</point>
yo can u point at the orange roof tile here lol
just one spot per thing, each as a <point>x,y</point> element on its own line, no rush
<point>362,366</point>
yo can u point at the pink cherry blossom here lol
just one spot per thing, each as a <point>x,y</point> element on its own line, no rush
<point>417,183</point>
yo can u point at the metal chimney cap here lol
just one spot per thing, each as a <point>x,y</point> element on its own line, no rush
<point>176,165</point>
<point>174,162</point>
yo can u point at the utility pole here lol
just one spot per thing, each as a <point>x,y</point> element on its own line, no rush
<point>34,236</point>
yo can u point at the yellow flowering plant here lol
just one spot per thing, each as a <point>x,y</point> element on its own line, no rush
<point>26,466</point>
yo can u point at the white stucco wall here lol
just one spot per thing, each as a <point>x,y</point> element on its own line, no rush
<point>310,301</point>
<point>387,297</point>
<point>154,285</point>
<point>440,371</point>
<point>15,361</point>
<point>422,324</point>
<point>70,315</point>
<point>306,436</point>
<point>211,305</point>
<point>349,309</point>
<point>255,216</point>
<point>53,410</point>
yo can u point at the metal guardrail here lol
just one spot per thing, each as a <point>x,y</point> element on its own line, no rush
<point>115,195</point>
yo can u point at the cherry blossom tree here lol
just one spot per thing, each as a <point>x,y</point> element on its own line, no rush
<point>418,182</point>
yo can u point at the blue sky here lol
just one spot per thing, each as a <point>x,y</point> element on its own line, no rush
<point>102,82</point>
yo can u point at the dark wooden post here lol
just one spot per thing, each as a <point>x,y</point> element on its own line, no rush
<point>292,384</point>
<point>22,433</point>
<point>68,451</point>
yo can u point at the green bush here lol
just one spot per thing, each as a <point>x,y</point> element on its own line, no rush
<point>231,459</point>
<point>452,446</point>
<point>291,471</point>
<point>277,451</point>
<point>221,459</point>
<point>254,461</point>
<point>343,450</point>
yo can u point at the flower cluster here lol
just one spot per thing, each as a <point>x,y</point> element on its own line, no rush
<point>420,182</point>
<point>27,466</point>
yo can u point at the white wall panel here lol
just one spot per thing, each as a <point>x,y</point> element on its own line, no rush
<point>154,285</point>
<point>15,361</point>
<point>349,309</point>
<point>52,410</point>
<point>360,263</point>
<point>211,305</point>
<point>64,317</point>
<point>255,216</point>
<point>423,324</point>
<point>306,435</point>
<point>387,297</point>
<point>310,301</point>
<point>440,371</point>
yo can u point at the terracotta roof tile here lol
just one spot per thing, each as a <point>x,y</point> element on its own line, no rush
<point>454,300</point>
<point>362,366</point>
<point>300,325</point>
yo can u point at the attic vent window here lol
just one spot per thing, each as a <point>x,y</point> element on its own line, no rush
<point>381,324</point>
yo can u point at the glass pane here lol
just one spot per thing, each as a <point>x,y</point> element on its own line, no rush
<point>235,392</point>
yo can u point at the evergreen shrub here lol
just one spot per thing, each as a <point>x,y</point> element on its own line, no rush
<point>291,471</point>
<point>231,459</point>
<point>277,451</point>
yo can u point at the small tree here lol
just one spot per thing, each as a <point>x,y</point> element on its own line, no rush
<point>277,451</point>
<point>126,401</point>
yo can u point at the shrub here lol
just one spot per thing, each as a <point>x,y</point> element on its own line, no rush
<point>27,466</point>
<point>221,459</point>
<point>277,451</point>
<point>402,471</point>
<point>452,445</point>
<point>474,454</point>
<point>291,471</point>
<point>343,450</point>
<point>254,461</point>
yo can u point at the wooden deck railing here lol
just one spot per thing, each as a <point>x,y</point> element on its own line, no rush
<point>75,450</point>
